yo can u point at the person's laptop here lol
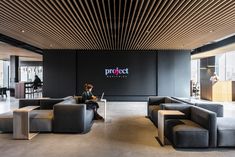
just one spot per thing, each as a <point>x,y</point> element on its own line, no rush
<point>102,97</point>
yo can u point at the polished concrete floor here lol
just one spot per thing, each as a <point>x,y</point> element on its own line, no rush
<point>126,134</point>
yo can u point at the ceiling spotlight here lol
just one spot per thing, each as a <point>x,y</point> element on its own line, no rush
<point>211,31</point>
<point>22,31</point>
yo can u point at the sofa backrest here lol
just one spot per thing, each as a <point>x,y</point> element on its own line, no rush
<point>29,102</point>
<point>70,100</point>
<point>207,119</point>
<point>217,108</point>
<point>156,100</point>
<point>47,104</point>
<point>185,108</point>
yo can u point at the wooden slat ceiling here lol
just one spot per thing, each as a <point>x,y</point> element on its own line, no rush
<point>117,24</point>
<point>7,50</point>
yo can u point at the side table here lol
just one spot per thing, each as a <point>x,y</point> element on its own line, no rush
<point>21,124</point>
<point>161,123</point>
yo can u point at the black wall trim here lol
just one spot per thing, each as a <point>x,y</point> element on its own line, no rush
<point>20,44</point>
<point>212,46</point>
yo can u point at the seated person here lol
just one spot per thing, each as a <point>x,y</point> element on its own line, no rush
<point>36,83</point>
<point>90,101</point>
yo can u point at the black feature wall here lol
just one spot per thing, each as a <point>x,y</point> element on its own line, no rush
<point>174,73</point>
<point>59,73</point>
<point>149,73</point>
<point>139,82</point>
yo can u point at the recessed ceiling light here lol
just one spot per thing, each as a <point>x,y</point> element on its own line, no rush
<point>22,31</point>
<point>211,31</point>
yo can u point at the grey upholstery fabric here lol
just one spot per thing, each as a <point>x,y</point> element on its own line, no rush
<point>44,104</point>
<point>47,104</point>
<point>217,108</point>
<point>6,122</point>
<point>29,102</point>
<point>169,125</point>
<point>154,115</point>
<point>185,108</point>
<point>226,132</point>
<point>71,118</point>
<point>151,109</point>
<point>41,120</point>
<point>189,135</point>
<point>208,120</point>
<point>154,105</point>
<point>203,118</point>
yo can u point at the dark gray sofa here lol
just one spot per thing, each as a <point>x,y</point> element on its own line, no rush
<point>153,106</point>
<point>70,117</point>
<point>197,128</point>
<point>62,115</point>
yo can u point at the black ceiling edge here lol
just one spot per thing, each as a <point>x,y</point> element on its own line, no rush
<point>19,44</point>
<point>215,45</point>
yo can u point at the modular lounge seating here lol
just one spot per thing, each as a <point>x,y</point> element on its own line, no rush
<point>225,126</point>
<point>154,105</point>
<point>196,129</point>
<point>177,128</point>
<point>54,115</point>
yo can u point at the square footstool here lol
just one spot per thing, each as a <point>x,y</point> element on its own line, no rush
<point>226,132</point>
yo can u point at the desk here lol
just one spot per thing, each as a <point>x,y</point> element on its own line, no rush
<point>21,124</point>
<point>105,107</point>
<point>161,123</point>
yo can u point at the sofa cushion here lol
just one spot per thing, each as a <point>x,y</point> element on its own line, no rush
<point>226,132</point>
<point>190,134</point>
<point>41,120</point>
<point>168,127</point>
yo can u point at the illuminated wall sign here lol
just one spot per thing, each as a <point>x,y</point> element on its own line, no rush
<point>116,72</point>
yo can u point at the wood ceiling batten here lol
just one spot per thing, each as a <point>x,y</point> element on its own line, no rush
<point>76,24</point>
<point>117,24</point>
<point>145,23</point>
<point>53,24</point>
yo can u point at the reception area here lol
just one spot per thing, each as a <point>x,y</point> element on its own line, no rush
<point>117,78</point>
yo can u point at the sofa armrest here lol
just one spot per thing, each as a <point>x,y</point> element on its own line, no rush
<point>70,118</point>
<point>207,119</point>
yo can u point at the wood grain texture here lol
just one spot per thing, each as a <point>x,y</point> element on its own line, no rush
<point>117,24</point>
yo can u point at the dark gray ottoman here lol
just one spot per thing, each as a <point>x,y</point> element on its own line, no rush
<point>226,132</point>
<point>189,135</point>
<point>6,122</point>
<point>40,121</point>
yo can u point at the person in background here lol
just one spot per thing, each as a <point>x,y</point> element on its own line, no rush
<point>90,100</point>
<point>214,78</point>
<point>37,82</point>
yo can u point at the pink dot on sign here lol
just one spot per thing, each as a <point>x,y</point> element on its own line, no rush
<point>116,72</point>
